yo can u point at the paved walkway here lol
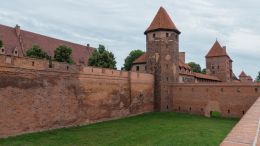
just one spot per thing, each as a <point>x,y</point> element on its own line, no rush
<point>247,131</point>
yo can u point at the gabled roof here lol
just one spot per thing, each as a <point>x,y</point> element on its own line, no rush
<point>242,74</point>
<point>217,51</point>
<point>162,21</point>
<point>8,35</point>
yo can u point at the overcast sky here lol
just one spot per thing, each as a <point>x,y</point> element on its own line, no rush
<point>119,25</point>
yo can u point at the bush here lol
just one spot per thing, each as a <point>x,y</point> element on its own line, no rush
<point>63,54</point>
<point>36,52</point>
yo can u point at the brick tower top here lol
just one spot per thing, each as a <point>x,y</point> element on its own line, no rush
<point>162,21</point>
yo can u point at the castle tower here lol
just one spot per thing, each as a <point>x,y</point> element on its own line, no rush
<point>218,63</point>
<point>162,56</point>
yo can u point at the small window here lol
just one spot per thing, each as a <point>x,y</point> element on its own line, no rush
<point>167,34</point>
<point>179,108</point>
<point>145,67</point>
<point>33,63</point>
<point>218,66</point>
<point>256,89</point>
<point>229,111</point>
<point>243,112</point>
<point>167,78</point>
<point>154,35</point>
<point>137,68</point>
<point>67,67</point>
<point>190,108</point>
<point>2,50</point>
<point>15,52</point>
<point>167,66</point>
<point>212,67</point>
<point>222,89</point>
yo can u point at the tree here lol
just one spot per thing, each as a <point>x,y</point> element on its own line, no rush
<point>63,54</point>
<point>102,58</point>
<point>36,52</point>
<point>195,67</point>
<point>1,43</point>
<point>204,71</point>
<point>258,77</point>
<point>131,58</point>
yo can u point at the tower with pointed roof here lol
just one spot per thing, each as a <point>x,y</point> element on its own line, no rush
<point>162,57</point>
<point>219,64</point>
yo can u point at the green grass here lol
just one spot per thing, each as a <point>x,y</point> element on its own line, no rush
<point>159,129</point>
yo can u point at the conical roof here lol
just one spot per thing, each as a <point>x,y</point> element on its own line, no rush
<point>242,74</point>
<point>162,21</point>
<point>216,51</point>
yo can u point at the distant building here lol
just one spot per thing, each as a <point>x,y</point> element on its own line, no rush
<point>17,41</point>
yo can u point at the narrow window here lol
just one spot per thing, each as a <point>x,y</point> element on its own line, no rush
<point>179,108</point>
<point>167,78</point>
<point>3,50</point>
<point>190,108</point>
<point>229,111</point>
<point>15,52</point>
<point>67,67</point>
<point>167,34</point>
<point>33,63</point>
<point>154,35</point>
<point>256,89</point>
<point>137,68</point>
<point>243,112</point>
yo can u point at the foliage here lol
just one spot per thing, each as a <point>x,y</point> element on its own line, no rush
<point>195,67</point>
<point>1,43</point>
<point>258,77</point>
<point>102,58</point>
<point>204,71</point>
<point>131,58</point>
<point>36,52</point>
<point>149,129</point>
<point>63,54</point>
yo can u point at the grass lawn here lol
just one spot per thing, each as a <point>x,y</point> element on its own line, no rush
<point>160,129</point>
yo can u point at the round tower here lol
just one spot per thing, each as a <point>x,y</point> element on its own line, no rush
<point>162,57</point>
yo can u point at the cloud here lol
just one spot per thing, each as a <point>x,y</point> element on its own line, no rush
<point>119,25</point>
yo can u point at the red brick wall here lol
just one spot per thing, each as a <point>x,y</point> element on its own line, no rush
<point>34,99</point>
<point>231,99</point>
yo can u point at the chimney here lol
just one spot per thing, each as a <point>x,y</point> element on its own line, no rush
<point>182,56</point>
<point>88,45</point>
<point>17,30</point>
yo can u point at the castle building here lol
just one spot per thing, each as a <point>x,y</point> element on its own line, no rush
<point>17,41</point>
<point>162,56</point>
<point>243,77</point>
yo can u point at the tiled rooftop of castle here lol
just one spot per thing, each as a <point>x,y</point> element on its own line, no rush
<point>11,40</point>
<point>162,21</point>
<point>216,51</point>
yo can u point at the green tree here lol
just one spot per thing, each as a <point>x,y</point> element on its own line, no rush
<point>102,58</point>
<point>258,77</point>
<point>63,54</point>
<point>36,52</point>
<point>1,43</point>
<point>131,58</point>
<point>195,67</point>
<point>204,71</point>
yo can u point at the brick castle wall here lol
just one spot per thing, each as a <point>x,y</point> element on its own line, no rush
<point>230,99</point>
<point>35,97</point>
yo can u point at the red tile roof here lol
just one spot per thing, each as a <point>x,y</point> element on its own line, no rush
<point>204,76</point>
<point>162,21</point>
<point>216,51</point>
<point>140,59</point>
<point>80,53</point>
<point>242,74</point>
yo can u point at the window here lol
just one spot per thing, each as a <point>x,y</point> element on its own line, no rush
<point>137,68</point>
<point>167,34</point>
<point>3,50</point>
<point>154,35</point>
<point>218,66</point>
<point>212,67</point>
<point>256,89</point>
<point>176,37</point>
<point>33,63</point>
<point>67,67</point>
<point>15,52</point>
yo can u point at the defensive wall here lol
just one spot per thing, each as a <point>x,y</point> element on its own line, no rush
<point>230,99</point>
<point>36,96</point>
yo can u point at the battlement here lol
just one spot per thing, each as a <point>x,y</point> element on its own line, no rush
<point>46,65</point>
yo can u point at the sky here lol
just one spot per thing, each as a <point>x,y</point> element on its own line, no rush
<point>120,25</point>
